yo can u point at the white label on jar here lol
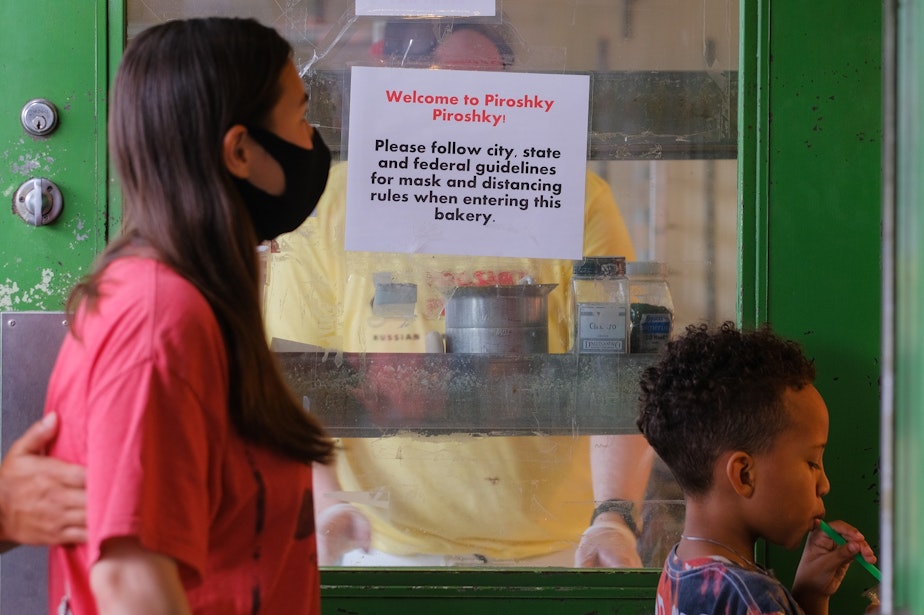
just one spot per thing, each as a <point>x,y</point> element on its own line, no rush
<point>601,328</point>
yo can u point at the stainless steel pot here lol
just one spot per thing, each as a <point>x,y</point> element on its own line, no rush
<point>498,319</point>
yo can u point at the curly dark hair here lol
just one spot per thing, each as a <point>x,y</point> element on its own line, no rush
<point>716,391</point>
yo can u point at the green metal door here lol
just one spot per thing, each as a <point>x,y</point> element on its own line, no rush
<point>55,51</point>
<point>811,209</point>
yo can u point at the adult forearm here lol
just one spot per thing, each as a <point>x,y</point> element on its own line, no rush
<point>620,466</point>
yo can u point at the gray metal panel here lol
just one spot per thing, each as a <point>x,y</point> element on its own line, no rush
<point>29,343</point>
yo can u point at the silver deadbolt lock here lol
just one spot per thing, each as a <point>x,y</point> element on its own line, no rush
<point>39,117</point>
<point>38,201</point>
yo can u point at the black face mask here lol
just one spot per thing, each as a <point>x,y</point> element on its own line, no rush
<point>305,173</point>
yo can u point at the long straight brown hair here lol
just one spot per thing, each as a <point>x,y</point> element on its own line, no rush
<point>180,86</point>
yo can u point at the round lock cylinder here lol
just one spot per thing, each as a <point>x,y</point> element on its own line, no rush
<point>39,117</point>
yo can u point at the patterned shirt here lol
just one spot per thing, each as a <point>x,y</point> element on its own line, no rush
<point>715,585</point>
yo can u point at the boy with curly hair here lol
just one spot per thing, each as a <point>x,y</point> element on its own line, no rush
<point>736,417</point>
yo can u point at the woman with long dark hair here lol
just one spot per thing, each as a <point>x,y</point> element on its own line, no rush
<point>198,456</point>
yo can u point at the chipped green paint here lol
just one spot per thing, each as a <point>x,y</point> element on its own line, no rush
<point>44,295</point>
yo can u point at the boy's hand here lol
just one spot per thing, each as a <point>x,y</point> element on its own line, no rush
<point>824,564</point>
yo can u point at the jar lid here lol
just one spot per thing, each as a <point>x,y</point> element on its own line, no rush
<point>600,267</point>
<point>650,268</point>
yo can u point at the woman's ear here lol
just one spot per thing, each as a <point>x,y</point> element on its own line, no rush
<point>234,152</point>
<point>741,473</point>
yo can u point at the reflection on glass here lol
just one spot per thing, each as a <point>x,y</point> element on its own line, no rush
<point>661,144</point>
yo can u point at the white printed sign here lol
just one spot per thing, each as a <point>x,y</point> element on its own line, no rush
<point>467,162</point>
<point>428,8</point>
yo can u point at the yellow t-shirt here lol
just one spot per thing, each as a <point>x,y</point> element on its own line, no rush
<point>501,497</point>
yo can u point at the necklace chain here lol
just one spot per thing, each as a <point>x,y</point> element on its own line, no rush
<point>746,560</point>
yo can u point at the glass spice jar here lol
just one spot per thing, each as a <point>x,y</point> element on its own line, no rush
<point>651,307</point>
<point>600,305</point>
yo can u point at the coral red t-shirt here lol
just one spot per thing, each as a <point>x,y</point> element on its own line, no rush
<point>142,393</point>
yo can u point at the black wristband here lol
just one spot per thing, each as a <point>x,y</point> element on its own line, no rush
<point>626,510</point>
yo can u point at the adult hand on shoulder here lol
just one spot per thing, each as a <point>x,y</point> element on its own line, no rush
<point>824,563</point>
<point>341,528</point>
<point>42,500</point>
<point>608,543</point>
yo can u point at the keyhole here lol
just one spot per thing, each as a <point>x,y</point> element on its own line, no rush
<point>39,117</point>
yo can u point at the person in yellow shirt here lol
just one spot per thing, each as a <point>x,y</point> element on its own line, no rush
<point>456,499</point>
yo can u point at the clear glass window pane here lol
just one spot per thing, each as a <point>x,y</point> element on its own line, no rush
<point>485,457</point>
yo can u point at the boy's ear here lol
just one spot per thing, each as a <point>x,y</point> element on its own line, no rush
<point>234,152</point>
<point>741,473</point>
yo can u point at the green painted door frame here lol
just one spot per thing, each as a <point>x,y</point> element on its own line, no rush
<point>905,120</point>
<point>811,220</point>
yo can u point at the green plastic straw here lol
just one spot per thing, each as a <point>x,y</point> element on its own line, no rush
<point>830,531</point>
